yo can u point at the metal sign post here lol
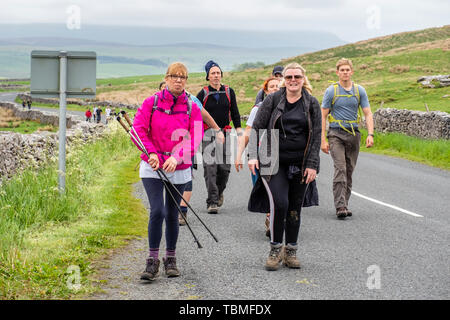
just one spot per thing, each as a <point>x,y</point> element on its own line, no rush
<point>62,121</point>
<point>63,74</point>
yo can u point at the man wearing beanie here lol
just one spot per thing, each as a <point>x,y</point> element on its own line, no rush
<point>276,72</point>
<point>220,101</point>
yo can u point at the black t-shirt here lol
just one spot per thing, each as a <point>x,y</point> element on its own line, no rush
<point>293,133</point>
<point>99,112</point>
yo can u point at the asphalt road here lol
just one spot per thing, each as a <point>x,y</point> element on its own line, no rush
<point>381,252</point>
<point>396,245</point>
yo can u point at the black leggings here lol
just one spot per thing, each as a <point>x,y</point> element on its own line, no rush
<point>288,195</point>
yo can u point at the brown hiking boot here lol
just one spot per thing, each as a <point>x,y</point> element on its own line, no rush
<point>289,255</point>
<point>274,259</point>
<point>151,270</point>
<point>341,212</point>
<point>170,266</point>
<point>267,225</point>
<point>181,220</point>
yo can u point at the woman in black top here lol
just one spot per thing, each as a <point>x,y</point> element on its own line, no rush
<point>295,113</point>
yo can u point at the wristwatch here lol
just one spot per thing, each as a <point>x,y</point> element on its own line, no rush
<point>371,134</point>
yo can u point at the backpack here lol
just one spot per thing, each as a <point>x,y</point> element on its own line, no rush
<point>207,93</point>
<point>169,112</point>
<point>335,96</point>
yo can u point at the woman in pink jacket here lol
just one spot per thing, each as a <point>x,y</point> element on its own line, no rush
<point>170,127</point>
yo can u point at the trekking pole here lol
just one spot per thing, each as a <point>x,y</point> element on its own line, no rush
<point>125,115</point>
<point>192,209</point>
<point>141,145</point>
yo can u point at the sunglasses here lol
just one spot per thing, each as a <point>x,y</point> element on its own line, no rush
<point>297,76</point>
<point>175,77</point>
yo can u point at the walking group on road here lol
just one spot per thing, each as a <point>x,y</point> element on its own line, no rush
<point>284,134</point>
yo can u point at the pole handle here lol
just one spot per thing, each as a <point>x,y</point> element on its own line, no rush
<point>125,115</point>
<point>122,124</point>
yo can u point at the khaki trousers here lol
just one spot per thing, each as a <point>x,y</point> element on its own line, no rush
<point>344,150</point>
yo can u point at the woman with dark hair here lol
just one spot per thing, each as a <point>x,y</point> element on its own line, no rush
<point>294,161</point>
<point>170,126</point>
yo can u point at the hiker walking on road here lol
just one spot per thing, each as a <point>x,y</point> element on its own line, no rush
<point>24,104</point>
<point>95,113</point>
<point>98,114</point>
<point>340,105</point>
<point>157,121</point>
<point>220,102</point>
<point>29,104</point>
<point>88,115</point>
<point>295,113</point>
<point>107,114</point>
<point>269,86</point>
<point>277,72</point>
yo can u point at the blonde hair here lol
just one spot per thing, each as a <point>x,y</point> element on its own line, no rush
<point>344,62</point>
<point>176,68</point>
<point>295,65</point>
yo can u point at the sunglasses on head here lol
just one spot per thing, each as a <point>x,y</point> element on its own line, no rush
<point>297,76</point>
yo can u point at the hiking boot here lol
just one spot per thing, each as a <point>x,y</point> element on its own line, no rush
<point>289,255</point>
<point>151,270</point>
<point>267,225</point>
<point>274,259</point>
<point>213,208</point>
<point>181,220</point>
<point>220,203</point>
<point>341,213</point>
<point>170,266</point>
<point>349,213</point>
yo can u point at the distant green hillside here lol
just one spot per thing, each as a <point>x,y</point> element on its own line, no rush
<point>388,67</point>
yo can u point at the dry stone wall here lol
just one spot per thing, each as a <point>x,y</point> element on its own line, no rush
<point>26,97</point>
<point>428,125</point>
<point>20,151</point>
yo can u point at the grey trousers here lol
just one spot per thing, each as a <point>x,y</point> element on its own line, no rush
<point>344,150</point>
<point>216,168</point>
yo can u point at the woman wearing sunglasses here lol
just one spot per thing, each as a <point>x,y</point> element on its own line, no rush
<point>296,114</point>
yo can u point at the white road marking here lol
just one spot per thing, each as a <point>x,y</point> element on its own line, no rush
<point>388,205</point>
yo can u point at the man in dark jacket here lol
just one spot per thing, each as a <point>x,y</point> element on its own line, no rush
<point>220,101</point>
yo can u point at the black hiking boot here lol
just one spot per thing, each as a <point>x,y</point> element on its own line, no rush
<point>349,213</point>
<point>341,213</point>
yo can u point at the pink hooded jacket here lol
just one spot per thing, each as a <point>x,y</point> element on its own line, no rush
<point>176,133</point>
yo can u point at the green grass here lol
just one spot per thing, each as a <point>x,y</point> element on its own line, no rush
<point>28,127</point>
<point>42,233</point>
<point>434,153</point>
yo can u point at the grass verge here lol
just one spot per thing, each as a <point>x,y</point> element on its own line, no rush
<point>48,242</point>
<point>434,153</point>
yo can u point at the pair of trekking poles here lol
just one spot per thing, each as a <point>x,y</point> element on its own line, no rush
<point>167,184</point>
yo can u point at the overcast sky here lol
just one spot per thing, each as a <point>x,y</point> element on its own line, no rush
<point>351,20</point>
